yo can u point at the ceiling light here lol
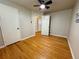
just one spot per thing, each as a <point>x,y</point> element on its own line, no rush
<point>42,6</point>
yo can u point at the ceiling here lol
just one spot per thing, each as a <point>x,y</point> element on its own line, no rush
<point>58,5</point>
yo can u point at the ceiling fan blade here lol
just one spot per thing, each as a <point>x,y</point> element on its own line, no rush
<point>41,1</point>
<point>36,5</point>
<point>47,7</point>
<point>48,2</point>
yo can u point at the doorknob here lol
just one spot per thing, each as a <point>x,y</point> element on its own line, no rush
<point>18,28</point>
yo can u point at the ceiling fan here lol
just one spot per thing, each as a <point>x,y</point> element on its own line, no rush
<point>44,4</point>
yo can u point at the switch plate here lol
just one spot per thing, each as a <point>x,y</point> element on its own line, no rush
<point>77,18</point>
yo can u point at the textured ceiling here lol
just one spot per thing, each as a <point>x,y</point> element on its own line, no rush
<point>56,6</point>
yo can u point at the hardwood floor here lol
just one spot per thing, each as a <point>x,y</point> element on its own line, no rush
<point>38,47</point>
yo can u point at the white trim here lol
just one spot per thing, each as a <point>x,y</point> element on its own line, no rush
<point>73,56</point>
<point>59,35</point>
<point>2,46</point>
<point>19,40</point>
<point>28,37</point>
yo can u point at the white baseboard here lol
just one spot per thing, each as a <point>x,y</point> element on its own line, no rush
<point>2,46</point>
<point>73,56</point>
<point>15,42</point>
<point>59,35</point>
<point>28,37</point>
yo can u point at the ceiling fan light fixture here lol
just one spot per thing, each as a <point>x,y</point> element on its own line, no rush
<point>42,6</point>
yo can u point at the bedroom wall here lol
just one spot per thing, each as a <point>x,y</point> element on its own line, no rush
<point>74,33</point>
<point>60,23</point>
<point>26,23</point>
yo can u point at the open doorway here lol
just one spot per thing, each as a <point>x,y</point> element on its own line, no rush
<point>38,25</point>
<point>42,25</point>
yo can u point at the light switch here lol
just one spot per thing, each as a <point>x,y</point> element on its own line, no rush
<point>77,20</point>
<point>31,22</point>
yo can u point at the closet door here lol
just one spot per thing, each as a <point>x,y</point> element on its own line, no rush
<point>9,24</point>
<point>45,24</point>
<point>1,37</point>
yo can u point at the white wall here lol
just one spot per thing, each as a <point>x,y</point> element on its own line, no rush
<point>25,23</point>
<point>40,24</point>
<point>60,23</point>
<point>74,33</point>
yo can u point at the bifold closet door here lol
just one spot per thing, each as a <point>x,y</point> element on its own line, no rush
<point>9,24</point>
<point>1,37</point>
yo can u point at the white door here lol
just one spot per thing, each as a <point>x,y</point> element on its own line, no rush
<point>9,24</point>
<point>45,24</point>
